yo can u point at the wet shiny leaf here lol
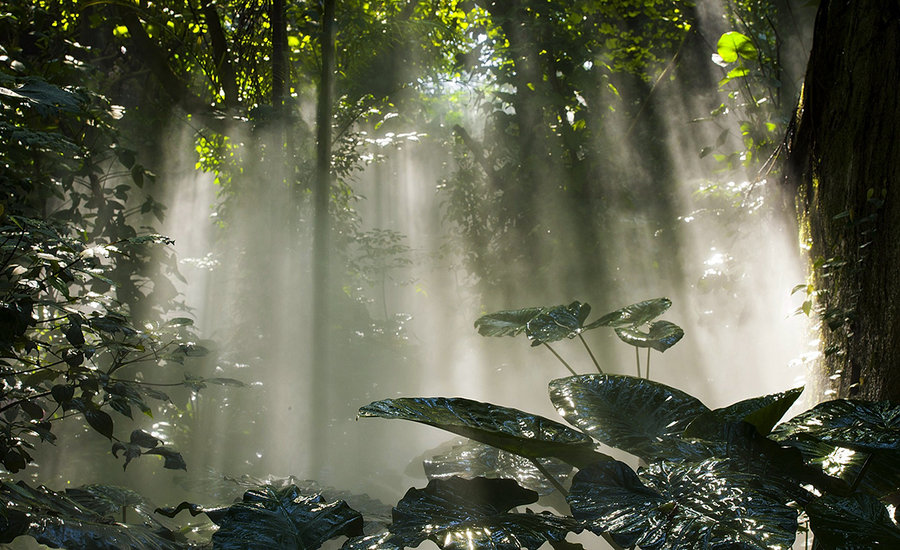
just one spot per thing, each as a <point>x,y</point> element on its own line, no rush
<point>856,522</point>
<point>634,315</point>
<point>512,430</point>
<point>642,417</point>
<point>469,514</point>
<point>269,519</point>
<point>761,412</point>
<point>703,505</point>
<point>859,425</point>
<point>473,459</point>
<point>58,521</point>
<point>660,336</point>
<point>506,323</point>
<point>557,323</point>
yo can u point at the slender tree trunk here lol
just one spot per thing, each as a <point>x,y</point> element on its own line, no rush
<point>321,230</point>
<point>844,161</point>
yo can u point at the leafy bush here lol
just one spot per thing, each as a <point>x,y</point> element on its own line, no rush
<point>711,478</point>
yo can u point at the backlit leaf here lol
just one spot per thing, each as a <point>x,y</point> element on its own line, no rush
<point>661,336</point>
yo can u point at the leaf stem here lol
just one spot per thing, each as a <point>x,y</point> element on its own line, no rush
<point>560,358</point>
<point>550,477</point>
<point>648,363</point>
<point>594,359</point>
<point>862,472</point>
<point>637,356</point>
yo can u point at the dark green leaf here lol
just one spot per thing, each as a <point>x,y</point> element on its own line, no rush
<point>509,429</point>
<point>761,412</point>
<point>471,514</point>
<point>173,460</point>
<point>634,315</point>
<point>704,505</point>
<point>473,459</point>
<point>269,519</point>
<point>506,323</point>
<point>58,521</point>
<point>661,336</point>
<point>859,425</point>
<point>557,323</point>
<point>856,522</point>
<point>100,421</point>
<point>32,409</point>
<point>142,438</point>
<point>639,416</point>
<point>225,382</point>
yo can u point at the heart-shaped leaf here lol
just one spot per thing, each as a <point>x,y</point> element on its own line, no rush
<point>268,518</point>
<point>557,323</point>
<point>642,417</point>
<point>856,522</point>
<point>733,44</point>
<point>58,521</point>
<point>506,323</point>
<point>472,514</point>
<point>634,315</point>
<point>761,412</point>
<point>512,430</point>
<point>473,459</point>
<point>704,505</point>
<point>100,421</point>
<point>660,336</point>
<point>859,425</point>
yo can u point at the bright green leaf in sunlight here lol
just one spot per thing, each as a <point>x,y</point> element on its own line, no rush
<point>293,41</point>
<point>121,31</point>
<point>734,44</point>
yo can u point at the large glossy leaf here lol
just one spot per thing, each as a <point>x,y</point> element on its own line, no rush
<point>506,323</point>
<point>557,323</point>
<point>642,417</point>
<point>473,459</point>
<point>661,335</point>
<point>859,425</point>
<point>761,412</point>
<point>470,514</point>
<point>283,519</point>
<point>673,506</point>
<point>876,474</point>
<point>856,522</point>
<point>512,430</point>
<point>58,521</point>
<point>634,315</point>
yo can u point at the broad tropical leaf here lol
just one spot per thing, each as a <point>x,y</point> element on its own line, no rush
<point>859,425</point>
<point>856,522</point>
<point>634,315</point>
<point>58,521</point>
<point>761,412</point>
<point>660,336</point>
<point>270,518</point>
<point>703,505</point>
<point>639,416</point>
<point>506,323</point>
<point>512,430</point>
<point>473,459</point>
<point>557,323</point>
<point>470,514</point>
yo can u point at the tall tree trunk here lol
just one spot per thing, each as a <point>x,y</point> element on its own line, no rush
<point>844,159</point>
<point>321,230</point>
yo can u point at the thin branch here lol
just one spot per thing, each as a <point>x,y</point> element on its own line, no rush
<point>594,359</point>
<point>560,358</point>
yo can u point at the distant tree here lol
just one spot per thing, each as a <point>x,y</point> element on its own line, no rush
<point>843,159</point>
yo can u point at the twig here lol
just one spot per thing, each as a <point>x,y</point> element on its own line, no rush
<point>594,359</point>
<point>560,358</point>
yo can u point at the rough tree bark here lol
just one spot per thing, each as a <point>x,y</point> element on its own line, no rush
<point>843,158</point>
